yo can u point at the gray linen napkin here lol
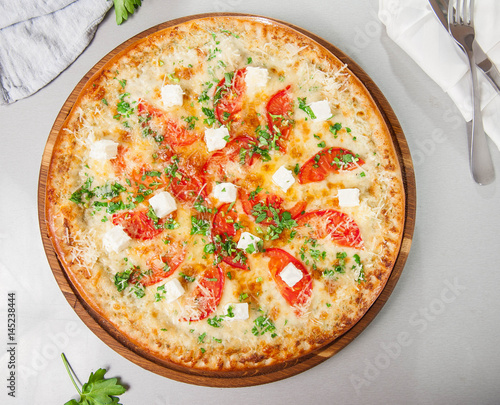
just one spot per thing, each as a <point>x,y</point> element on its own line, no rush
<point>39,39</point>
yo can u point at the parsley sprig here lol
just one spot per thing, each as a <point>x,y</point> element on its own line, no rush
<point>124,8</point>
<point>97,390</point>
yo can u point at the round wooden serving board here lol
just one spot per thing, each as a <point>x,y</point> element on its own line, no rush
<point>109,335</point>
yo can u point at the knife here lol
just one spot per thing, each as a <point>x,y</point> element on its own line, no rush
<point>440,8</point>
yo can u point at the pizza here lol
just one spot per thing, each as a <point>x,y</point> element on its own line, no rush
<point>226,194</point>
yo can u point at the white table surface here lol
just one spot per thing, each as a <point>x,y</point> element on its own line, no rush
<point>434,342</point>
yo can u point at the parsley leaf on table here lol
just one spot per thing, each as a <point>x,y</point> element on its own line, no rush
<point>97,390</point>
<point>125,7</point>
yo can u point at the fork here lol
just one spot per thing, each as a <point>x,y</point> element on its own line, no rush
<point>461,27</point>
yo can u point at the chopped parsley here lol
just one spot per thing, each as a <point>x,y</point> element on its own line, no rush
<point>200,206</point>
<point>304,107</point>
<point>203,97</point>
<point>121,279</point>
<point>171,169</point>
<point>191,121</point>
<point>160,294</point>
<point>216,321</point>
<point>335,128</point>
<point>226,247</point>
<point>124,108</point>
<point>138,289</point>
<point>84,192</point>
<point>278,221</point>
<point>187,278</point>
<point>254,193</point>
<point>338,268</point>
<point>359,267</point>
<point>200,226</point>
<point>210,120</point>
<point>226,86</point>
<point>263,324</point>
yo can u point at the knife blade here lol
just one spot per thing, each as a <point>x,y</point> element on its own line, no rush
<point>440,8</point>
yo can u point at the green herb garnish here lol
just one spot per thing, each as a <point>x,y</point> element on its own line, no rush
<point>97,390</point>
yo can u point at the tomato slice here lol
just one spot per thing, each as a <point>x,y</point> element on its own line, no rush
<point>172,132</point>
<point>146,178</point>
<point>119,163</point>
<point>223,222</point>
<point>329,160</point>
<point>298,209</point>
<point>187,188</point>
<point>236,152</point>
<point>269,200</point>
<point>263,199</point>
<point>279,110</point>
<point>185,181</point>
<point>162,267</point>
<point>137,224</point>
<point>335,224</point>
<point>298,296</point>
<point>228,98</point>
<point>207,293</point>
<point>223,232</point>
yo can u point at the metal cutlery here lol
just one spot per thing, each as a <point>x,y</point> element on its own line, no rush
<point>461,27</point>
<point>440,8</point>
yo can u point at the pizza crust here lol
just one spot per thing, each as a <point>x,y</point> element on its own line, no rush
<point>154,327</point>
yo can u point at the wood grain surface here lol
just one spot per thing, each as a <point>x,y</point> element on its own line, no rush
<point>110,335</point>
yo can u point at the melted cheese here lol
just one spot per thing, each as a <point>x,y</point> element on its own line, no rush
<point>197,68</point>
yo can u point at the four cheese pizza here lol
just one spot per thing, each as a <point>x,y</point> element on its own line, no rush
<point>226,194</point>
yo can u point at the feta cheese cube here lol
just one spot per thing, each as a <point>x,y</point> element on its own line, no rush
<point>239,310</point>
<point>216,138</point>
<point>116,239</point>
<point>283,178</point>
<point>291,275</point>
<point>348,197</point>
<point>248,242</point>
<point>171,95</point>
<point>104,150</point>
<point>255,79</point>
<point>173,290</point>
<point>225,192</point>
<point>163,204</point>
<point>321,110</point>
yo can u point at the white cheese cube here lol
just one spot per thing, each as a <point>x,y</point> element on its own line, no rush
<point>216,138</point>
<point>239,310</point>
<point>104,150</point>
<point>348,197</point>
<point>173,290</point>
<point>116,239</point>
<point>321,110</point>
<point>283,178</point>
<point>225,192</point>
<point>248,241</point>
<point>291,275</point>
<point>255,79</point>
<point>163,204</point>
<point>171,95</point>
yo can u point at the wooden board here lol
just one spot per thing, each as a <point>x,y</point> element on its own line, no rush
<point>110,335</point>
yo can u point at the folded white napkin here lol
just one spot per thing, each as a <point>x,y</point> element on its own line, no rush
<point>414,27</point>
<point>39,39</point>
